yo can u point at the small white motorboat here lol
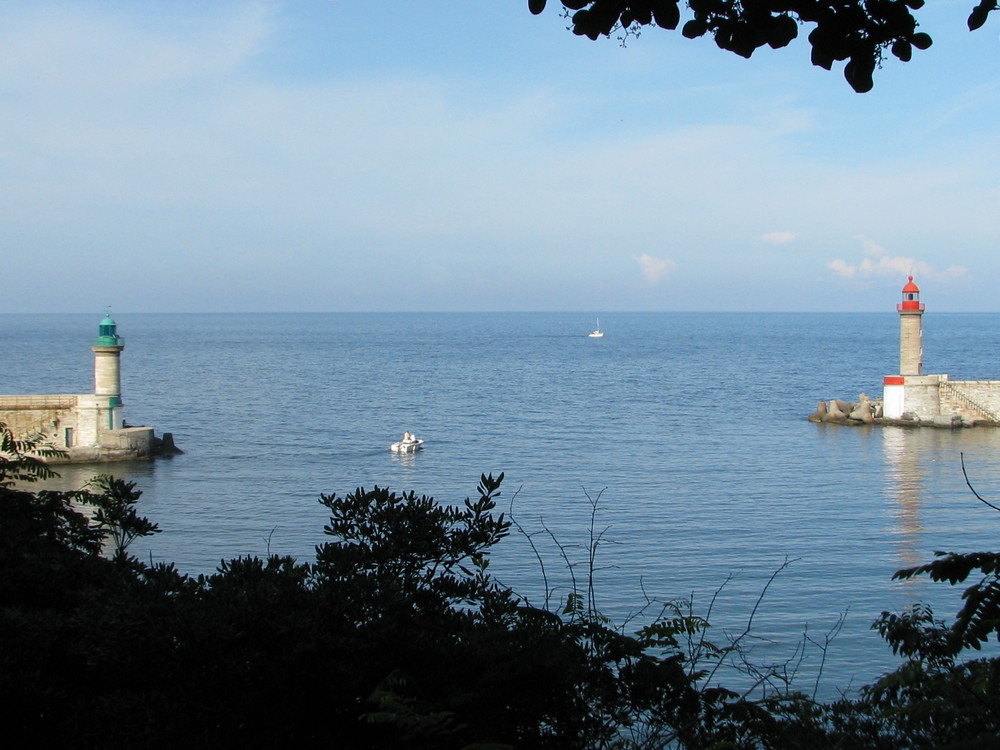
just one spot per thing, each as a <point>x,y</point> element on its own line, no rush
<point>597,333</point>
<point>409,444</point>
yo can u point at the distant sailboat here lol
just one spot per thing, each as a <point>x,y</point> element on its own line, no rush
<point>597,333</point>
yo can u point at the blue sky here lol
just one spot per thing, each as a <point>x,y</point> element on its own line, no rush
<point>356,155</point>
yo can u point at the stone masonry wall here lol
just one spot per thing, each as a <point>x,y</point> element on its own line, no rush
<point>86,415</point>
<point>46,415</point>
<point>923,400</point>
<point>922,396</point>
<point>910,344</point>
<point>127,444</point>
<point>984,393</point>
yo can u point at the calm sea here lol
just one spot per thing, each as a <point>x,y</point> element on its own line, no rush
<point>687,431</point>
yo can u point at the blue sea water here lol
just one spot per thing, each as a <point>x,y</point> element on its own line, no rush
<point>686,432</point>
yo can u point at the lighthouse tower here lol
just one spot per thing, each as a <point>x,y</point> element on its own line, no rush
<point>107,348</point>
<point>911,394</point>
<point>911,350</point>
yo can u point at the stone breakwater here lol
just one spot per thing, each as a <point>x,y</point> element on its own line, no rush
<point>867,411</point>
<point>862,411</point>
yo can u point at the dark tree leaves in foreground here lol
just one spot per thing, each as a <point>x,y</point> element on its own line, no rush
<point>23,459</point>
<point>934,698</point>
<point>398,636</point>
<point>860,32</point>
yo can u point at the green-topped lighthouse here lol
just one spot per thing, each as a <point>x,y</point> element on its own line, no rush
<point>107,348</point>
<point>87,426</point>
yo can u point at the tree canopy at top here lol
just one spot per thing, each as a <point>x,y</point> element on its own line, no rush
<point>858,31</point>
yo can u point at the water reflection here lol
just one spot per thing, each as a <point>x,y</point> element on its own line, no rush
<point>404,459</point>
<point>904,479</point>
<point>75,476</point>
<point>932,508</point>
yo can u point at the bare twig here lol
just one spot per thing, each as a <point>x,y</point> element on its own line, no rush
<point>973,489</point>
<point>695,653</point>
<point>267,539</point>
<point>824,648</point>
<point>735,643</point>
<point>562,553</point>
<point>531,543</point>
<point>595,541</point>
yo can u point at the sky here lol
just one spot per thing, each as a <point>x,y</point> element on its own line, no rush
<point>465,155</point>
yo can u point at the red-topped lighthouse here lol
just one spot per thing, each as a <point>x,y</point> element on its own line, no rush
<point>911,349</point>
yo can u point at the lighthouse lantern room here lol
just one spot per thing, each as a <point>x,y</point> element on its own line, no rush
<point>911,350</point>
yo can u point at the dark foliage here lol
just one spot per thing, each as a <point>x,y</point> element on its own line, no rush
<point>23,460</point>
<point>397,636</point>
<point>935,700</point>
<point>859,32</point>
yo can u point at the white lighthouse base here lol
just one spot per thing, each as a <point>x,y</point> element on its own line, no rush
<point>916,397</point>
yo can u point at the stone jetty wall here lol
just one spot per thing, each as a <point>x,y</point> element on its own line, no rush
<point>941,403</point>
<point>973,400</point>
<point>77,425</point>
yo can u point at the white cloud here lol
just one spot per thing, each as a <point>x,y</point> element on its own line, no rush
<point>653,269</point>
<point>881,263</point>
<point>871,247</point>
<point>780,238</point>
